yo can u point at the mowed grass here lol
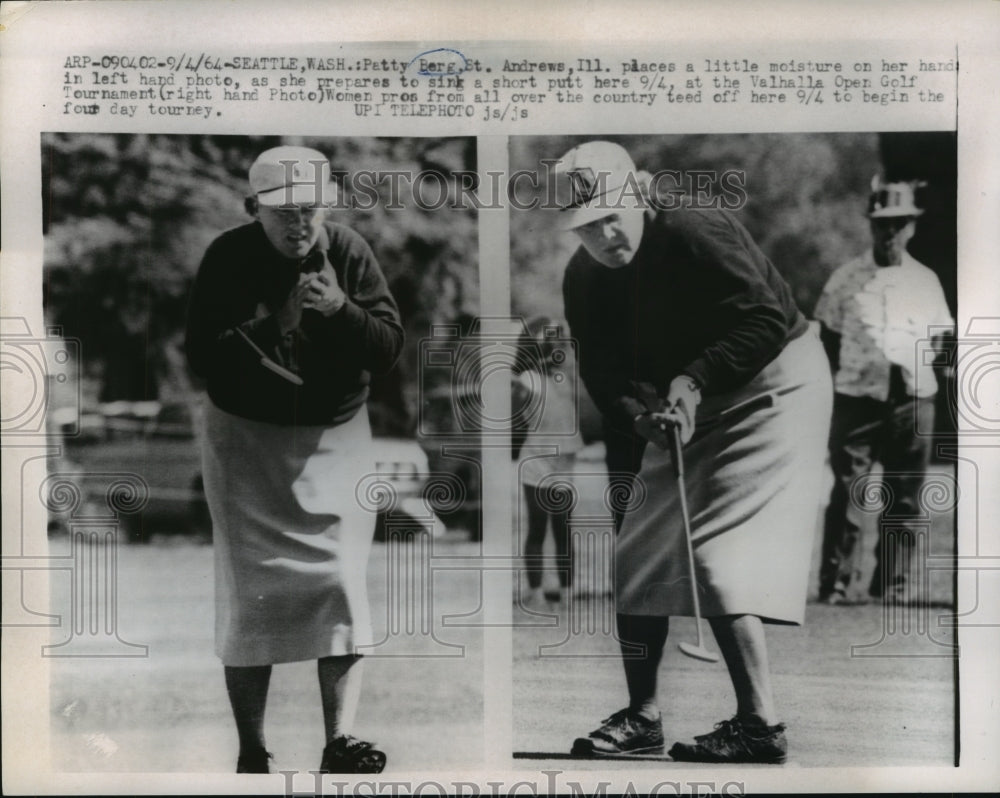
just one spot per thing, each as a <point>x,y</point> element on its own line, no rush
<point>858,685</point>
<point>842,709</point>
<point>169,712</point>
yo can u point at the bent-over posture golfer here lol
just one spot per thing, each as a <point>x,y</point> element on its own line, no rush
<point>681,320</point>
<point>289,316</point>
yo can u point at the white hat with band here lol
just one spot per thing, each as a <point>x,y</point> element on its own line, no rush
<point>292,176</point>
<point>600,176</point>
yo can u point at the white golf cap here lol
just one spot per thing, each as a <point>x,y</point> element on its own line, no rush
<point>292,176</point>
<point>595,172</point>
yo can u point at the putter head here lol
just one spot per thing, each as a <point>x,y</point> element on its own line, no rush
<point>698,652</point>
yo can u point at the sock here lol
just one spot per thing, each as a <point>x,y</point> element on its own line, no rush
<point>755,724</point>
<point>648,710</point>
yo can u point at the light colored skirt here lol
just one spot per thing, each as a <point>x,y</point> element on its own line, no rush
<point>753,473</point>
<point>535,469</point>
<point>291,542</point>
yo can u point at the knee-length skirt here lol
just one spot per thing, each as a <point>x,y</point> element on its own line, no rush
<point>291,542</point>
<point>753,474</point>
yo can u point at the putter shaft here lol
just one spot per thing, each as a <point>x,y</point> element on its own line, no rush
<point>698,652</point>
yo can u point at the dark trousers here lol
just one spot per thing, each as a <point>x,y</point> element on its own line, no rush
<point>866,431</point>
<point>544,505</point>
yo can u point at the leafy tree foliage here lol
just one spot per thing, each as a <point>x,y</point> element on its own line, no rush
<point>128,217</point>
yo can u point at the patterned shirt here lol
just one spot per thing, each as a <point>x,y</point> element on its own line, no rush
<point>882,313</point>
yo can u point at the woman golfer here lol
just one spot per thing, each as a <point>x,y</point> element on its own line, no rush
<point>683,324</point>
<point>289,316</point>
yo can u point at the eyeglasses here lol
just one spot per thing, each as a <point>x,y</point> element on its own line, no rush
<point>295,212</point>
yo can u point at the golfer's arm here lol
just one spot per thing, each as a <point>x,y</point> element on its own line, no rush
<point>211,343</point>
<point>600,366</point>
<point>607,385</point>
<point>752,325</point>
<point>368,323</point>
<point>610,389</point>
<point>748,345</point>
<point>375,332</point>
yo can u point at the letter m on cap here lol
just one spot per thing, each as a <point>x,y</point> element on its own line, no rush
<point>585,185</point>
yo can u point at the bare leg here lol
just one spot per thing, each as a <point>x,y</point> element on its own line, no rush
<point>744,647</point>
<point>560,530</point>
<point>649,632</point>
<point>340,688</point>
<point>534,539</point>
<point>247,687</point>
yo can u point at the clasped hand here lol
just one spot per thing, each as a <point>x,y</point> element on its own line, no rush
<point>322,292</point>
<point>315,290</point>
<point>678,411</point>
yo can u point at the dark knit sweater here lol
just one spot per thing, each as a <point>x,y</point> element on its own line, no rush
<point>242,281</point>
<point>699,298</point>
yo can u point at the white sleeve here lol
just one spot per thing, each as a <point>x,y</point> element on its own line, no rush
<point>942,315</point>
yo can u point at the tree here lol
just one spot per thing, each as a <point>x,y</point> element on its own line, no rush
<point>128,217</point>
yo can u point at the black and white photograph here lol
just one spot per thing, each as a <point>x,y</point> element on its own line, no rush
<point>750,529</point>
<point>249,312</point>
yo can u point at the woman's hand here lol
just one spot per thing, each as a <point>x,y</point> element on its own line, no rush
<point>649,426</point>
<point>323,293</point>
<point>289,315</point>
<point>680,408</point>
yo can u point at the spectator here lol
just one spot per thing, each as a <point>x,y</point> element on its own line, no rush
<point>873,312</point>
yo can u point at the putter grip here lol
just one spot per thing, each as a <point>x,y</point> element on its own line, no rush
<point>678,451</point>
<point>674,432</point>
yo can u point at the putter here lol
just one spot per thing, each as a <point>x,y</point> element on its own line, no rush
<point>267,363</point>
<point>697,651</point>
